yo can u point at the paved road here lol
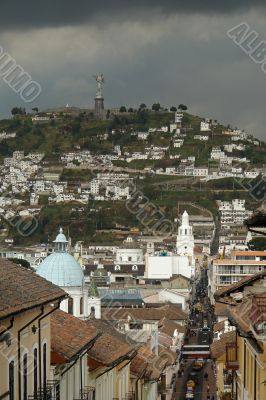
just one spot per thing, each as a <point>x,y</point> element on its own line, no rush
<point>204,387</point>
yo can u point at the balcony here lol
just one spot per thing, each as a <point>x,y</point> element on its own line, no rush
<point>50,392</point>
<point>87,393</point>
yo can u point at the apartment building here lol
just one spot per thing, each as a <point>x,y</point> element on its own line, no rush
<point>227,271</point>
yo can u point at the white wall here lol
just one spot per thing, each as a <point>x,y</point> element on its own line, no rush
<point>164,267</point>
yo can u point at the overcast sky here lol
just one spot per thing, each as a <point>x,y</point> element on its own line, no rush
<point>169,51</point>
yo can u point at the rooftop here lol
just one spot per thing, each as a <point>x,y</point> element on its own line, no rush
<point>238,286</point>
<point>70,335</point>
<point>111,347</point>
<point>218,347</point>
<point>22,289</point>
<point>170,312</point>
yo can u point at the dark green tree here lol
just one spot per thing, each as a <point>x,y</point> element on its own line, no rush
<point>173,109</point>
<point>123,109</point>
<point>156,107</point>
<point>182,107</point>
<point>258,244</point>
<point>142,106</point>
<point>18,111</point>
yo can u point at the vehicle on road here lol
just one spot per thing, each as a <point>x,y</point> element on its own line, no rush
<point>198,364</point>
<point>191,385</point>
<point>193,376</point>
<point>206,329</point>
<point>196,351</point>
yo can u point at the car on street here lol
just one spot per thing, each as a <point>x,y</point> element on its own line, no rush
<point>193,376</point>
<point>198,364</point>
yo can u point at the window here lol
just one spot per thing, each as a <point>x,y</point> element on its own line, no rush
<point>81,306</point>
<point>35,372</point>
<point>129,258</point>
<point>134,268</point>
<point>44,363</point>
<point>135,325</point>
<point>25,377</point>
<point>70,305</point>
<point>117,267</point>
<point>11,378</point>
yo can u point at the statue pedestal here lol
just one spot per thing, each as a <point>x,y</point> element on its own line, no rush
<point>99,105</point>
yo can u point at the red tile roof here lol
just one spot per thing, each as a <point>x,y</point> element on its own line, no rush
<point>147,364</point>
<point>221,310</point>
<point>170,312</point>
<point>70,335</point>
<point>218,347</point>
<point>22,289</point>
<point>236,287</point>
<point>168,327</point>
<point>112,346</point>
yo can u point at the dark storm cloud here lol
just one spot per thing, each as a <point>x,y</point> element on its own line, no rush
<point>17,14</point>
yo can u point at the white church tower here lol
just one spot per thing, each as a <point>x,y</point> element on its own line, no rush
<point>185,238</point>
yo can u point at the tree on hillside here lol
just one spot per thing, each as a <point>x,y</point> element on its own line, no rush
<point>156,107</point>
<point>142,116</point>
<point>182,107</point>
<point>123,109</point>
<point>130,110</point>
<point>142,106</point>
<point>18,111</point>
<point>258,244</point>
<point>173,109</point>
<point>35,109</point>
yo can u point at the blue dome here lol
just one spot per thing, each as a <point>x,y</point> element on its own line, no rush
<point>61,269</point>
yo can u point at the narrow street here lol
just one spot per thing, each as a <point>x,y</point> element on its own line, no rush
<point>196,377</point>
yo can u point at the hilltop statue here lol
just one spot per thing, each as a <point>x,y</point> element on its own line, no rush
<point>100,81</point>
<point>99,100</point>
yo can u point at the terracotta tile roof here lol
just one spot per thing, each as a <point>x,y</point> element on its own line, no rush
<point>171,312</point>
<point>249,253</point>
<point>258,312</point>
<point>228,261</point>
<point>22,289</point>
<point>138,364</point>
<point>167,356</point>
<point>168,327</point>
<point>219,326</point>
<point>240,316</point>
<point>218,347</point>
<point>147,364</point>
<point>111,346</point>
<point>221,310</point>
<point>247,315</point>
<point>224,292</point>
<point>70,335</point>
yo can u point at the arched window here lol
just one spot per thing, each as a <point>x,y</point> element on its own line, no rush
<point>11,377</point>
<point>117,267</point>
<point>70,305</point>
<point>81,306</point>
<point>92,314</point>
<point>185,231</point>
<point>25,377</point>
